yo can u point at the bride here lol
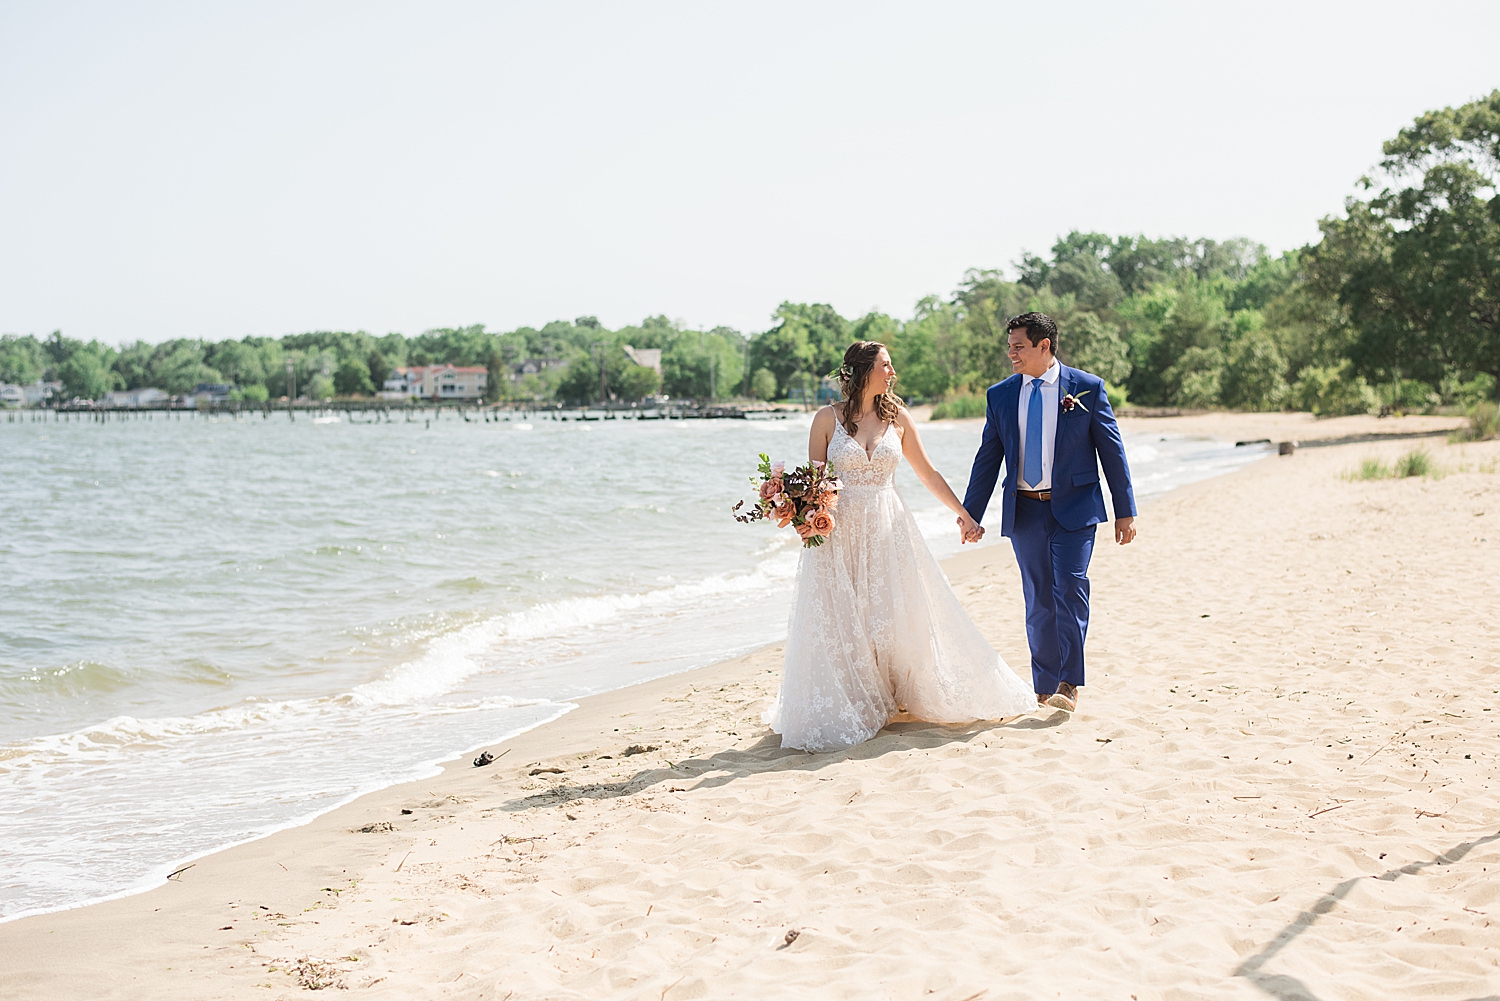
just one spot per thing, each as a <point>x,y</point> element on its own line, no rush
<point>875,628</point>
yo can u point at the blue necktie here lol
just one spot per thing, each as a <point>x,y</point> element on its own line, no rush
<point>1034,435</point>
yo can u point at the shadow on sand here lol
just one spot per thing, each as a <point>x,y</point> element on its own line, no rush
<point>1287,988</point>
<point>767,755</point>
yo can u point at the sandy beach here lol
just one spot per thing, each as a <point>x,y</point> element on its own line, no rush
<point>1282,782</point>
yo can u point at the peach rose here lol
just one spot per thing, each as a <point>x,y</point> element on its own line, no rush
<point>770,488</point>
<point>784,512</point>
<point>821,521</point>
<point>805,530</point>
<point>828,500</point>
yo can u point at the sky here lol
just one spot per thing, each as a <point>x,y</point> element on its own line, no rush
<point>210,169</point>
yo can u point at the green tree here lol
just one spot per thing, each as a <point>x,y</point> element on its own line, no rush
<point>1417,266</point>
<point>987,301</point>
<point>941,340</point>
<point>1333,391</point>
<point>636,382</point>
<point>497,375</point>
<point>379,368</point>
<point>701,364</point>
<point>178,366</point>
<point>763,384</point>
<point>1254,374</point>
<point>913,351</point>
<point>22,359</point>
<point>808,339</point>
<point>1178,336</point>
<point>580,381</point>
<point>392,348</point>
<point>1094,345</point>
<point>352,378</point>
<point>86,371</point>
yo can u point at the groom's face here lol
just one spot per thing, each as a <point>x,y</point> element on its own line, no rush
<point>1026,357</point>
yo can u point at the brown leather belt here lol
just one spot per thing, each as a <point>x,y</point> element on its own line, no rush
<point>1043,495</point>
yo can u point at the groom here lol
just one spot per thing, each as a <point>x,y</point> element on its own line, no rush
<point>1053,427</point>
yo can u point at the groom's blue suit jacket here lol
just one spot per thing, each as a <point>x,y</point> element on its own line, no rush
<point>1086,439</point>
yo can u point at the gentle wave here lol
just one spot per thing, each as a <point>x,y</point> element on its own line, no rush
<point>455,657</point>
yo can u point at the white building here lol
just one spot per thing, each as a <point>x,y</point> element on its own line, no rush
<point>12,395</point>
<point>437,382</point>
<point>134,397</point>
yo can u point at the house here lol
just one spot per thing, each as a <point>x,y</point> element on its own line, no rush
<point>29,395</point>
<point>399,385</point>
<point>645,357</point>
<point>208,392</point>
<point>532,366</point>
<point>437,382</point>
<point>134,397</point>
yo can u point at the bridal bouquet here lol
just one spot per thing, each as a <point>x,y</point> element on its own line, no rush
<point>803,497</point>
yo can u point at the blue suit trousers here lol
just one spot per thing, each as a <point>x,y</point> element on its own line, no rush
<point>1054,566</point>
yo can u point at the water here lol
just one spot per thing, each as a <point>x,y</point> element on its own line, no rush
<point>212,629</point>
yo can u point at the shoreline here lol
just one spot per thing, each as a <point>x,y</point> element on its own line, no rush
<point>437,768</point>
<point>704,723</point>
<point>1216,425</point>
<point>431,767</point>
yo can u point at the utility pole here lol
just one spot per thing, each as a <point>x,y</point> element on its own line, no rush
<point>713,379</point>
<point>291,388</point>
<point>746,391</point>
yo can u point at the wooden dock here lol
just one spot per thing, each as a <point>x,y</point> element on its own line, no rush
<point>391,412</point>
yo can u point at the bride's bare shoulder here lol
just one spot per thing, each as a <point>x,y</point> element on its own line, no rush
<point>826,417</point>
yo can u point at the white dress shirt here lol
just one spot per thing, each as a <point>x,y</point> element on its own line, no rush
<point>1051,387</point>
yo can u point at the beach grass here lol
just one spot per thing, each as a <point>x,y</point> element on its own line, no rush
<point>1484,423</point>
<point>1370,469</point>
<point>1415,462</point>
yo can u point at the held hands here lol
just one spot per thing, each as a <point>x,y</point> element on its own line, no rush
<point>969,530</point>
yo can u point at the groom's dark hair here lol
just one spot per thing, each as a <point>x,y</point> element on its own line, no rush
<point>1037,326</point>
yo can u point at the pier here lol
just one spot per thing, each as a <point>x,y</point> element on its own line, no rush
<point>396,412</point>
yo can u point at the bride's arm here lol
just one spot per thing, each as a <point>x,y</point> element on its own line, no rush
<point>916,456</point>
<point>821,433</point>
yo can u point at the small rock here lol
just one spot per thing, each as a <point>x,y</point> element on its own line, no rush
<point>485,757</point>
<point>640,749</point>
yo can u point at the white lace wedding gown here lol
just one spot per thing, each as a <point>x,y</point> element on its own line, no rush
<point>875,627</point>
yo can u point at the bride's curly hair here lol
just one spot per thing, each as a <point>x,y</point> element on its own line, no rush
<point>854,375</point>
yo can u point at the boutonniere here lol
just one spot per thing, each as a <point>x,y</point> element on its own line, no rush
<point>1069,401</point>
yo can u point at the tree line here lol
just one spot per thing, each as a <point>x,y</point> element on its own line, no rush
<point>1396,305</point>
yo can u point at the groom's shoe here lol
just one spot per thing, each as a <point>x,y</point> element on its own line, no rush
<point>1066,698</point>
